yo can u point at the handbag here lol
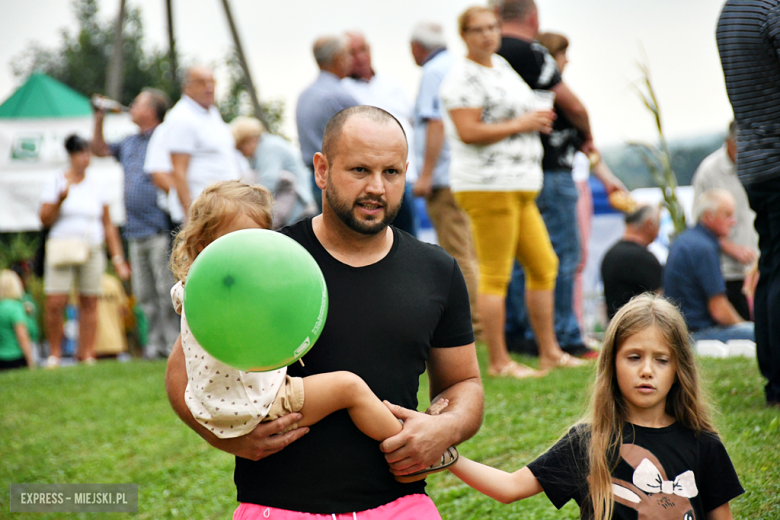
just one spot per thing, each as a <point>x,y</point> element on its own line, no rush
<point>64,252</point>
<point>67,252</point>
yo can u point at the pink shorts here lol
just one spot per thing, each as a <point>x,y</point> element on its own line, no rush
<point>410,507</point>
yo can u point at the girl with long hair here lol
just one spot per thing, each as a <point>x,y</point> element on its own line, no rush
<point>235,410</point>
<point>648,447</point>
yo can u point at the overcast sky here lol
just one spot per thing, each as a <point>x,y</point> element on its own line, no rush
<point>678,38</point>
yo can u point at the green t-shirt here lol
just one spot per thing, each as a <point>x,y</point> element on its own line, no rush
<point>11,313</point>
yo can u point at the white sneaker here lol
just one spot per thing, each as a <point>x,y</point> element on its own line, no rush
<point>52,362</point>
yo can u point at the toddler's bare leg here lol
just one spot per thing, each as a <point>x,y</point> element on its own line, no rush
<point>324,394</point>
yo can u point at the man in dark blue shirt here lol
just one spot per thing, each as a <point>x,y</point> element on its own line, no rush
<point>148,227</point>
<point>693,279</point>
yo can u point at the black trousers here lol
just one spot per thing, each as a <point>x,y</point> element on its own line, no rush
<point>737,298</point>
<point>765,201</point>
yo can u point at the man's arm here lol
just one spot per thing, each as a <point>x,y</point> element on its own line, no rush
<point>573,108</point>
<point>745,255</point>
<point>162,180</point>
<point>608,179</point>
<point>260,443</point>
<point>453,374</point>
<point>434,140</point>
<point>98,144</point>
<point>181,161</point>
<point>722,311</point>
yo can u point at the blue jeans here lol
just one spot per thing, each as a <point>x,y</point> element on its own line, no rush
<point>765,201</point>
<point>557,203</point>
<point>726,332</point>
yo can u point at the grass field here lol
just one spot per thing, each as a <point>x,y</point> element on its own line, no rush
<point>112,424</point>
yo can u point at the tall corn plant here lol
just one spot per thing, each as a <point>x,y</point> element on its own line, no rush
<point>658,158</point>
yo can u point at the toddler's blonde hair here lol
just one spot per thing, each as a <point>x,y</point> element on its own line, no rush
<point>214,208</point>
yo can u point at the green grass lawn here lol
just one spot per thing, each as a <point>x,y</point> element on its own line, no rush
<point>112,424</point>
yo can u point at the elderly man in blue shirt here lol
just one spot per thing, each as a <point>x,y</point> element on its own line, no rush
<point>148,227</point>
<point>323,99</point>
<point>693,278</point>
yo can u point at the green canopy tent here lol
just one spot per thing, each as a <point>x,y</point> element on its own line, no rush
<point>44,97</point>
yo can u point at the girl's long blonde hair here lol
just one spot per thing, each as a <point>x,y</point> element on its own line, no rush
<point>608,412</point>
<point>215,207</point>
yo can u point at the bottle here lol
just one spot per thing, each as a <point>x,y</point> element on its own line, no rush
<point>105,104</point>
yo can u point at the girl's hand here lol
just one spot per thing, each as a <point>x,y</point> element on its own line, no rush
<point>538,121</point>
<point>437,406</point>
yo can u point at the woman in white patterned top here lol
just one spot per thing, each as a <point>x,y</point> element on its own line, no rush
<point>493,127</point>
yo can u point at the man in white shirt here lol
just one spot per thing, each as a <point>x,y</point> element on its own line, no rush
<point>200,143</point>
<point>387,93</point>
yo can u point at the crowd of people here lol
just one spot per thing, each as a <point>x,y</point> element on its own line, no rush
<point>490,144</point>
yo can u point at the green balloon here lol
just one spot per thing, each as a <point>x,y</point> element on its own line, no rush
<point>255,300</point>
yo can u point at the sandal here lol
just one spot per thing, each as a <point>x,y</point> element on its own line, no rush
<point>447,459</point>
<point>516,370</point>
<point>568,361</point>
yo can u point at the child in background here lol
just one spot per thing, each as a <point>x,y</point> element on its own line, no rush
<point>229,402</point>
<point>15,346</point>
<point>648,448</point>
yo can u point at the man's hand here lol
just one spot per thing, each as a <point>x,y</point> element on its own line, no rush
<point>751,280</point>
<point>261,442</point>
<point>419,445</point>
<point>264,440</point>
<point>423,187</point>
<point>743,254</point>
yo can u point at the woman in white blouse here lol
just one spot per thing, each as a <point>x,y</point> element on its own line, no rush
<point>492,125</point>
<point>75,208</point>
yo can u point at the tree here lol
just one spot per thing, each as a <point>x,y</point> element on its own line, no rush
<point>236,101</point>
<point>81,61</point>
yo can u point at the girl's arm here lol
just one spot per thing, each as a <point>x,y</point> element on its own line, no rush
<point>24,342</point>
<point>720,513</point>
<point>500,485</point>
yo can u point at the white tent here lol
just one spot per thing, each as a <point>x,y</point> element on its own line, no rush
<point>31,149</point>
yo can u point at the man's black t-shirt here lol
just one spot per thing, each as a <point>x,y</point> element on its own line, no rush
<point>537,67</point>
<point>665,473</point>
<point>628,269</point>
<point>383,319</point>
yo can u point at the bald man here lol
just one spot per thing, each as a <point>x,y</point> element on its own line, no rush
<point>200,144</point>
<point>397,307</point>
<point>693,279</point>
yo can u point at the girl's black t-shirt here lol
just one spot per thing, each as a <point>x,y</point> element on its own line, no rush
<point>383,320</point>
<point>663,473</point>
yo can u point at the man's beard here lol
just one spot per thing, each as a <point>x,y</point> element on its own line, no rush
<point>345,212</point>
